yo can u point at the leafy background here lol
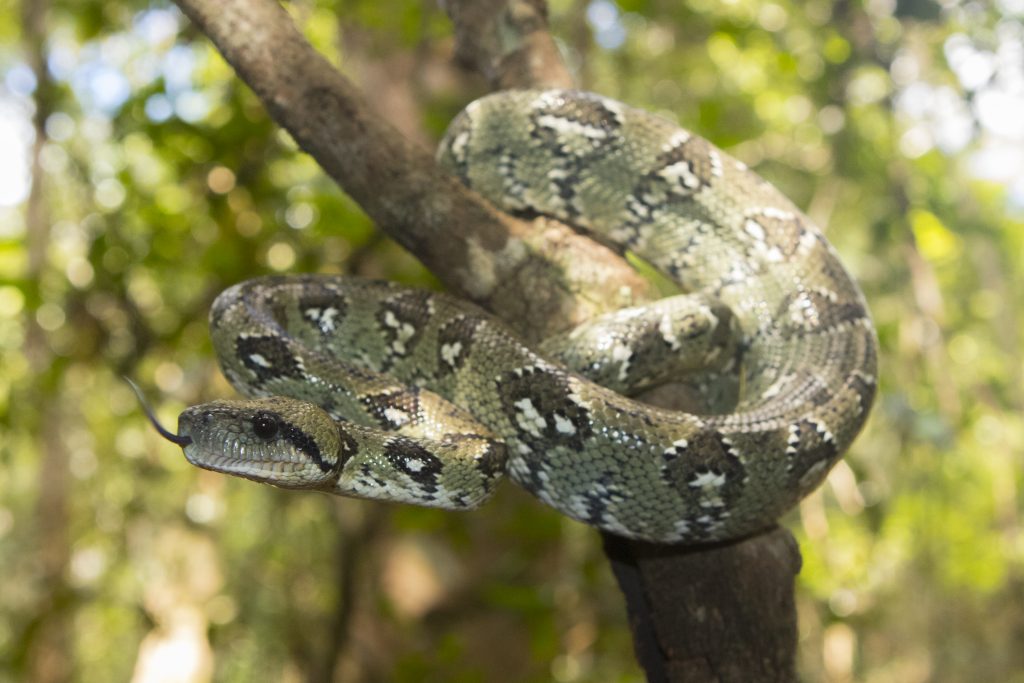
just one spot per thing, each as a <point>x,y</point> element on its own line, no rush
<point>139,178</point>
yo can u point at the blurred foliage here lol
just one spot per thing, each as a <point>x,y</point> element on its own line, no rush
<point>162,182</point>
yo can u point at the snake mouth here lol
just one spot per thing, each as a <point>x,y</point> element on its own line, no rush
<point>219,436</point>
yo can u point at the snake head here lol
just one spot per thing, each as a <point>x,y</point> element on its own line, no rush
<point>279,441</point>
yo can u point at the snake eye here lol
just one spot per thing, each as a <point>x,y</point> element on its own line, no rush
<point>264,425</point>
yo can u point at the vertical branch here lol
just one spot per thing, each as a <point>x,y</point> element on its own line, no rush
<point>507,41</point>
<point>711,613</point>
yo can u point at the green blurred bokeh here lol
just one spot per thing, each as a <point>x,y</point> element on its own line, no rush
<point>896,123</point>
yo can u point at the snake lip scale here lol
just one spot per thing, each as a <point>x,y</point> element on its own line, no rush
<point>368,389</point>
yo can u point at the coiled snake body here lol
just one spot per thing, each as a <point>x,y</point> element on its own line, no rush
<point>373,390</point>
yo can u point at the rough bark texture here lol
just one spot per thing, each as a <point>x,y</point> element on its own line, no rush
<point>717,613</point>
<point>711,613</point>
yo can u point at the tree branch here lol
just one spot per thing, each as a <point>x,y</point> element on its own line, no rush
<point>475,250</point>
<point>507,41</point>
<point>711,613</point>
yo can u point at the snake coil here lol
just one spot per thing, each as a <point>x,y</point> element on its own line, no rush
<point>369,389</point>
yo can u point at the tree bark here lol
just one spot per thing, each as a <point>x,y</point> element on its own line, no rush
<point>714,613</point>
<point>711,613</point>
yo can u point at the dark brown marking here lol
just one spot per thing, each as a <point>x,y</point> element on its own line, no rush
<point>547,390</point>
<point>587,111</point>
<point>708,454</point>
<point>417,462</point>
<point>348,445</point>
<point>401,319</point>
<point>782,232</point>
<point>268,358</point>
<point>809,445</point>
<point>454,343</point>
<point>315,301</point>
<point>404,400</point>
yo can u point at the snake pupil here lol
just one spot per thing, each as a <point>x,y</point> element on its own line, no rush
<point>264,426</point>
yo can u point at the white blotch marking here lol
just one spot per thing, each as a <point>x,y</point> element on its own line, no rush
<point>707,481</point>
<point>528,419</point>
<point>754,229</point>
<point>792,439</point>
<point>396,416</point>
<point>614,107</point>
<point>460,146</point>
<point>680,137</point>
<point>668,333</point>
<point>716,163</point>
<point>403,332</point>
<point>260,360</point>
<point>450,352</point>
<point>414,465</point>
<point>621,353</point>
<point>328,318</point>
<point>773,212</point>
<point>774,255</point>
<point>730,447</point>
<point>677,447</point>
<point>324,318</point>
<point>564,126</point>
<point>803,312</point>
<point>808,239</point>
<point>824,432</point>
<point>680,174</point>
<point>563,425</point>
<point>575,397</point>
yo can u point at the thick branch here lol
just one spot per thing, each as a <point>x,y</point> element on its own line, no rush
<point>475,250</point>
<point>711,613</point>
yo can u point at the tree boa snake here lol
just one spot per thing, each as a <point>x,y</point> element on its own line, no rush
<point>368,389</point>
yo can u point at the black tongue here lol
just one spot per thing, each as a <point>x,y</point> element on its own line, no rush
<point>169,435</point>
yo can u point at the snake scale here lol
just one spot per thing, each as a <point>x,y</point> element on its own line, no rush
<point>368,389</point>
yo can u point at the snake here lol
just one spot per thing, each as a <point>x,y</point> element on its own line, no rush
<point>374,390</point>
